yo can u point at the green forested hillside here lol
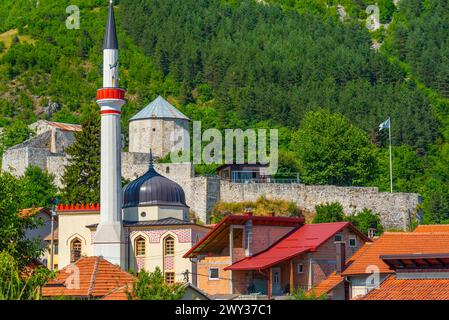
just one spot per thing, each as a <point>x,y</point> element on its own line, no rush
<point>239,63</point>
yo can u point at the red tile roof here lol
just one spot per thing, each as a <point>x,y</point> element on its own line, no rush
<point>410,289</point>
<point>302,239</point>
<point>432,228</point>
<point>241,219</point>
<point>398,243</point>
<point>97,278</point>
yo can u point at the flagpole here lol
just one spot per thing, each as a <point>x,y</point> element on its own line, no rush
<point>391,162</point>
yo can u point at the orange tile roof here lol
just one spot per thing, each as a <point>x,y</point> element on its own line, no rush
<point>97,278</point>
<point>327,284</point>
<point>432,228</point>
<point>335,279</point>
<point>120,293</point>
<point>29,212</point>
<point>410,289</point>
<point>397,243</point>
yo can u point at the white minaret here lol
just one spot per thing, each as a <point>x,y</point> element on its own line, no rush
<point>109,238</point>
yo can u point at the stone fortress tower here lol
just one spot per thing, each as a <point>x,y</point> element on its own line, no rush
<point>158,127</point>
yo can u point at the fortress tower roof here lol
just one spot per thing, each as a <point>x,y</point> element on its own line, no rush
<point>159,108</point>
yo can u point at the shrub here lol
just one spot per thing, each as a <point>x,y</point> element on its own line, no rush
<point>151,286</point>
<point>365,220</point>
<point>261,207</point>
<point>329,212</point>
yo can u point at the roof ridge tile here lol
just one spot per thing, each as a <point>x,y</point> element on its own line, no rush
<point>94,277</point>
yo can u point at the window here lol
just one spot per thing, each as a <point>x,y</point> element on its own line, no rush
<point>56,266</point>
<point>143,214</point>
<point>169,245</point>
<point>170,277</point>
<point>140,246</point>
<point>300,268</point>
<point>55,248</point>
<point>75,250</point>
<point>338,237</point>
<point>167,170</point>
<point>352,242</point>
<point>213,274</point>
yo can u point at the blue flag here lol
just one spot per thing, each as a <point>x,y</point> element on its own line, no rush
<point>384,125</point>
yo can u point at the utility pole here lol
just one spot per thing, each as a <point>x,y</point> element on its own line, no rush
<point>391,160</point>
<point>54,202</point>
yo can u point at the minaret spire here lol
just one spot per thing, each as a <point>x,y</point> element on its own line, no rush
<point>110,35</point>
<point>109,237</point>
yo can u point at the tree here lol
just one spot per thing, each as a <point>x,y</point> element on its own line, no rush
<point>366,219</point>
<point>82,174</point>
<point>333,151</point>
<point>329,212</point>
<point>151,286</point>
<point>12,226</point>
<point>18,283</point>
<point>15,133</point>
<point>37,187</point>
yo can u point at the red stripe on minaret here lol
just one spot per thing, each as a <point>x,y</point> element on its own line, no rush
<point>110,112</point>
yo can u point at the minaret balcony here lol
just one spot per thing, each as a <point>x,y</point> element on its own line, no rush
<point>111,93</point>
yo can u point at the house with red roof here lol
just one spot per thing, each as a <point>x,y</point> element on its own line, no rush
<point>396,266</point>
<point>246,254</point>
<point>89,278</point>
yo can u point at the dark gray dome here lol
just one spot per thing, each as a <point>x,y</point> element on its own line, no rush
<point>152,189</point>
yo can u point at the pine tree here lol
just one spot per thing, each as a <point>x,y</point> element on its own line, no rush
<point>82,175</point>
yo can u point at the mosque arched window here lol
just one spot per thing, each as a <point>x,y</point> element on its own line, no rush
<point>169,246</point>
<point>140,246</point>
<point>75,250</point>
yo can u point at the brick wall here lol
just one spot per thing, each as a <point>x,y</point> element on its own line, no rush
<point>265,236</point>
<point>221,286</point>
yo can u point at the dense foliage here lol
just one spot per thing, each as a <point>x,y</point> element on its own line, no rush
<point>17,283</point>
<point>261,63</point>
<point>363,220</point>
<point>419,37</point>
<point>366,219</point>
<point>331,150</point>
<point>17,194</point>
<point>329,212</point>
<point>151,286</point>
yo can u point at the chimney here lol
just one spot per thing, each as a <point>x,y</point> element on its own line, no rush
<point>272,214</point>
<point>341,256</point>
